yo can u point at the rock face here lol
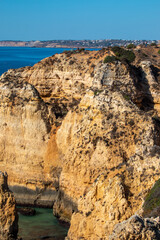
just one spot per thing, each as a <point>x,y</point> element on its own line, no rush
<point>8,214</point>
<point>137,228</point>
<point>137,83</point>
<point>110,135</point>
<point>30,120</point>
<point>84,135</point>
<point>61,80</point>
<point>24,134</point>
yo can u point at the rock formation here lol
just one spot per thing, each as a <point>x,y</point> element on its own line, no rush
<point>107,140</point>
<point>84,135</point>
<point>137,228</point>
<point>30,120</point>
<point>8,214</point>
<point>24,133</point>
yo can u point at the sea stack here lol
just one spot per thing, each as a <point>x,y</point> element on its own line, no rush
<point>8,214</point>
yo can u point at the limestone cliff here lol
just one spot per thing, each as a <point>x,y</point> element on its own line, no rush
<point>62,79</point>
<point>24,133</point>
<point>137,228</point>
<point>83,134</point>
<point>8,214</point>
<point>110,141</point>
<point>137,83</point>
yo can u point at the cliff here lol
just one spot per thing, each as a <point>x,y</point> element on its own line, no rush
<point>84,135</point>
<point>8,214</point>
<point>109,145</point>
<point>24,134</point>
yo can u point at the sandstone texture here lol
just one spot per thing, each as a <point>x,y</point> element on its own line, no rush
<point>111,136</point>
<point>8,214</point>
<point>24,134</point>
<point>84,135</point>
<point>137,228</point>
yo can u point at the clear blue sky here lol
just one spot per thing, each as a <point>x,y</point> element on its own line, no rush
<point>79,19</point>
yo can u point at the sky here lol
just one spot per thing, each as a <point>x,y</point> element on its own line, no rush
<point>79,19</point>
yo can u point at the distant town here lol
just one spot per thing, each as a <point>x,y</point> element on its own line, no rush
<point>76,43</point>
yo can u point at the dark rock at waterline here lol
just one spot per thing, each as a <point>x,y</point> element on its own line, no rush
<point>27,211</point>
<point>40,198</point>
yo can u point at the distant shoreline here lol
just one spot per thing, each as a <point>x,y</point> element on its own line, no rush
<point>75,43</point>
<point>52,47</point>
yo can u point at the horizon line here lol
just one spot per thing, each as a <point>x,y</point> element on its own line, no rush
<point>81,40</point>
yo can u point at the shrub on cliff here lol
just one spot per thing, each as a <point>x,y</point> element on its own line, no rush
<point>152,200</point>
<point>110,59</point>
<point>131,46</point>
<point>123,54</point>
<point>159,51</point>
<point>153,44</point>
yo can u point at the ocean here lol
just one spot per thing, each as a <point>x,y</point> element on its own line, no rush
<point>41,226</point>
<point>16,57</point>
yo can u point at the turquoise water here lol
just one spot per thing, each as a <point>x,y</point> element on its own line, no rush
<point>41,226</point>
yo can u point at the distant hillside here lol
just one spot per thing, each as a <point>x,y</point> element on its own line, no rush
<point>75,43</point>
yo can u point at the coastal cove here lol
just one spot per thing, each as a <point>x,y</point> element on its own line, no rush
<point>79,120</point>
<point>43,225</point>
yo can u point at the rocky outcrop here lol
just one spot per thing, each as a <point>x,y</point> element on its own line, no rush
<point>106,134</point>
<point>137,228</point>
<point>8,214</point>
<point>24,134</point>
<point>61,80</point>
<point>137,83</point>
<point>83,134</point>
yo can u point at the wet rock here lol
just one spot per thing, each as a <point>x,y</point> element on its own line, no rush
<point>27,211</point>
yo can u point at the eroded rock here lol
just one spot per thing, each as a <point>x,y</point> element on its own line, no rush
<point>24,135</point>
<point>8,214</point>
<point>137,228</point>
<point>80,132</point>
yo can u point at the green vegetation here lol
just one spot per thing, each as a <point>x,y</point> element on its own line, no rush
<point>74,51</point>
<point>153,44</point>
<point>110,59</point>
<point>144,55</point>
<point>152,200</point>
<point>156,117</point>
<point>131,46</point>
<point>159,51</point>
<point>126,97</point>
<point>97,92</point>
<point>123,54</point>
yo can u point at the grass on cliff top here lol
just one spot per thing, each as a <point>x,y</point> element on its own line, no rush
<point>152,199</point>
<point>123,54</point>
<point>74,51</point>
<point>110,59</point>
<point>131,46</point>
